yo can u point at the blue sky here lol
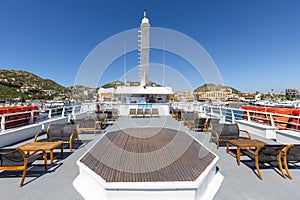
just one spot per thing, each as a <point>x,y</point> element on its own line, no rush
<point>254,43</point>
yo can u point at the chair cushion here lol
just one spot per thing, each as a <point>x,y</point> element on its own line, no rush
<point>55,130</point>
<point>293,154</point>
<point>11,157</point>
<point>60,131</point>
<point>269,153</point>
<point>200,122</point>
<point>227,131</point>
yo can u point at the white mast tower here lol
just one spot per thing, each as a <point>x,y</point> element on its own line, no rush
<point>144,51</point>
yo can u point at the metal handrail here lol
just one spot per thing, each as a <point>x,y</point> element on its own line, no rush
<point>11,120</point>
<point>262,117</point>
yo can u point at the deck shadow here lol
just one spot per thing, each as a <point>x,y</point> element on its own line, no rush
<point>262,166</point>
<point>34,172</point>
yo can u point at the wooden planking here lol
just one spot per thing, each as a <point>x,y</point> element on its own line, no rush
<point>117,156</point>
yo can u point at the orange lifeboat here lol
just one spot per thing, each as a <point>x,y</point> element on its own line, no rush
<point>282,122</point>
<point>18,119</point>
<point>256,117</point>
<point>296,121</point>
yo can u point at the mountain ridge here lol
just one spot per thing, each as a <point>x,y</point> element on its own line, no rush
<point>20,83</point>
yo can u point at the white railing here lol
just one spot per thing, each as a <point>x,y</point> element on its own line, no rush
<point>281,121</point>
<point>12,120</point>
<point>227,114</point>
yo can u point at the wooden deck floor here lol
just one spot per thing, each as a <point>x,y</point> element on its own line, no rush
<point>148,154</point>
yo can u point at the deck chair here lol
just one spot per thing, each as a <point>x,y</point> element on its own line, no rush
<point>199,124</point>
<point>154,112</point>
<point>189,118</point>
<point>291,154</point>
<point>17,160</point>
<point>176,114</point>
<point>86,125</point>
<point>148,112</point>
<point>132,112</point>
<point>140,112</point>
<point>115,114</point>
<point>266,154</point>
<point>210,122</point>
<point>223,132</point>
<point>65,133</point>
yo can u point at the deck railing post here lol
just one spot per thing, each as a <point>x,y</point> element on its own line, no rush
<point>3,123</point>
<point>49,114</point>
<point>31,117</point>
<point>232,116</point>
<point>63,111</point>
<point>73,110</point>
<point>272,120</point>
<point>248,116</point>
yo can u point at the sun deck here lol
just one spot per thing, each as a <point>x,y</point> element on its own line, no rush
<point>148,155</point>
<point>240,182</point>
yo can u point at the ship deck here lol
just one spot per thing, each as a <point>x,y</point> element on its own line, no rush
<point>148,155</point>
<point>240,182</point>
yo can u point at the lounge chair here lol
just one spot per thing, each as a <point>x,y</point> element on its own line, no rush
<point>266,154</point>
<point>148,112</point>
<point>189,118</point>
<point>154,112</point>
<point>140,112</point>
<point>223,132</point>
<point>291,154</point>
<point>132,112</point>
<point>177,114</point>
<point>65,133</point>
<point>199,124</point>
<point>86,125</point>
<point>115,114</point>
<point>111,114</point>
<point>210,122</point>
<point>16,159</point>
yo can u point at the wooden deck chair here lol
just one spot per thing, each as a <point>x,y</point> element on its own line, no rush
<point>140,112</point>
<point>17,160</point>
<point>65,133</point>
<point>291,154</point>
<point>223,132</point>
<point>132,112</point>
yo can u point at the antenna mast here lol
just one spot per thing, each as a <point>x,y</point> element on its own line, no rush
<point>124,59</point>
<point>164,64</point>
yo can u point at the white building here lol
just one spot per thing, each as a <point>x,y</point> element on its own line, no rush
<point>140,94</point>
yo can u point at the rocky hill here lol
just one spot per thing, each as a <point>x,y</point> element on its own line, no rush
<point>212,87</point>
<point>19,83</point>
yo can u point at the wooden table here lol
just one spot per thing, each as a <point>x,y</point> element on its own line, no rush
<point>42,146</point>
<point>242,144</point>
